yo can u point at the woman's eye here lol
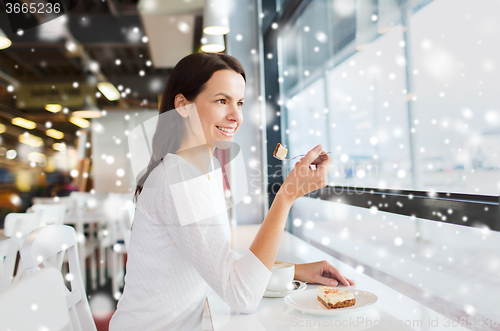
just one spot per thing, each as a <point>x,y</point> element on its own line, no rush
<point>223,101</point>
<point>241,104</point>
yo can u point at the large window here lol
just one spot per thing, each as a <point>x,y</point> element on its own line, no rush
<point>407,100</point>
<point>402,102</point>
<point>455,74</point>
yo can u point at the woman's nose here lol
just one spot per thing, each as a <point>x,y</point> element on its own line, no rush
<point>235,113</point>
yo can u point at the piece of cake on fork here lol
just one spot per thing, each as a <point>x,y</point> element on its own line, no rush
<point>333,298</point>
<point>280,151</point>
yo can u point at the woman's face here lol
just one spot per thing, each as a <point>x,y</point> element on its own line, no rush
<point>219,106</point>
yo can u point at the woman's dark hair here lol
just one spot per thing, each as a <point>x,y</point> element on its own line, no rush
<point>188,78</point>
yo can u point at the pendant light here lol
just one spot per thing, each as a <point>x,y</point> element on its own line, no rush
<point>4,41</point>
<point>108,90</point>
<point>88,110</point>
<point>215,17</point>
<point>212,43</point>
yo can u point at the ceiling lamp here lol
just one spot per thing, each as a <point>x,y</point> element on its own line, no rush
<point>109,91</point>
<point>78,121</point>
<point>54,134</point>
<point>212,43</point>
<point>2,128</point>
<point>88,110</point>
<point>61,147</point>
<point>31,140</point>
<point>11,154</point>
<point>24,123</point>
<point>215,17</point>
<point>87,113</point>
<point>4,41</point>
<point>54,108</point>
<point>37,157</point>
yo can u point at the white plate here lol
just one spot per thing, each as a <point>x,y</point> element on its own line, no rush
<point>307,302</point>
<point>300,286</point>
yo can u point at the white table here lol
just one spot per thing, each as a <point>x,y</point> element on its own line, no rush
<point>393,310</point>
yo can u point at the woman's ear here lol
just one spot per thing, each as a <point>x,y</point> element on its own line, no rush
<point>180,105</point>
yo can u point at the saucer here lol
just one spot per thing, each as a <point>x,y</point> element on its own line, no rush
<point>299,286</point>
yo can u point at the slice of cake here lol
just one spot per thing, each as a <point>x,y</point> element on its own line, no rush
<point>333,298</point>
<point>280,151</point>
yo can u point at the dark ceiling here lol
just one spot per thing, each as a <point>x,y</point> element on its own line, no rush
<point>103,28</point>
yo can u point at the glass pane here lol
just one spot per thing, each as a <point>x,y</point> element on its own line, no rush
<point>413,107</point>
<point>289,61</point>
<point>307,125</point>
<point>369,128</point>
<point>306,47</point>
<point>407,107</point>
<point>312,27</point>
<point>456,85</point>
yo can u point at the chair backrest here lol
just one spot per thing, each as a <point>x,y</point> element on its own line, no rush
<point>88,200</point>
<point>68,201</point>
<point>46,201</point>
<point>20,224</point>
<point>35,302</point>
<point>51,214</point>
<point>45,247</point>
<point>80,197</point>
<point>72,210</point>
<point>17,226</point>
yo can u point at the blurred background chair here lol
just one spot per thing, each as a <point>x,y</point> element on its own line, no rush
<point>120,209</point>
<point>17,227</point>
<point>75,215</point>
<point>89,211</point>
<point>46,247</point>
<point>50,213</point>
<point>34,302</point>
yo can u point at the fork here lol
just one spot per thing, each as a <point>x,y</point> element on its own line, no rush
<point>285,159</point>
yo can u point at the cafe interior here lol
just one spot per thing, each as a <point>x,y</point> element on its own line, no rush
<point>403,94</point>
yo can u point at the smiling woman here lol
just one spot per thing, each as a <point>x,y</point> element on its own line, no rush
<point>174,257</point>
<point>180,244</point>
<point>186,84</point>
<point>215,118</point>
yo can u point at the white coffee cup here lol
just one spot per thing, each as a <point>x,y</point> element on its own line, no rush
<point>282,277</point>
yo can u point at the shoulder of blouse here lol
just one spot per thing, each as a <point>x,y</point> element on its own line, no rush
<point>175,169</point>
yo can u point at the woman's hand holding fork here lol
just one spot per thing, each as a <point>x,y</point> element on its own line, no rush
<point>302,179</point>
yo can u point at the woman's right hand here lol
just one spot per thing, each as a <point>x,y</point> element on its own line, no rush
<point>302,179</point>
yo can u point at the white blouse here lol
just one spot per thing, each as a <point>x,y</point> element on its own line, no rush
<point>179,249</point>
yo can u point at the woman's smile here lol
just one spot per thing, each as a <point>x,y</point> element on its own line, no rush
<point>226,131</point>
